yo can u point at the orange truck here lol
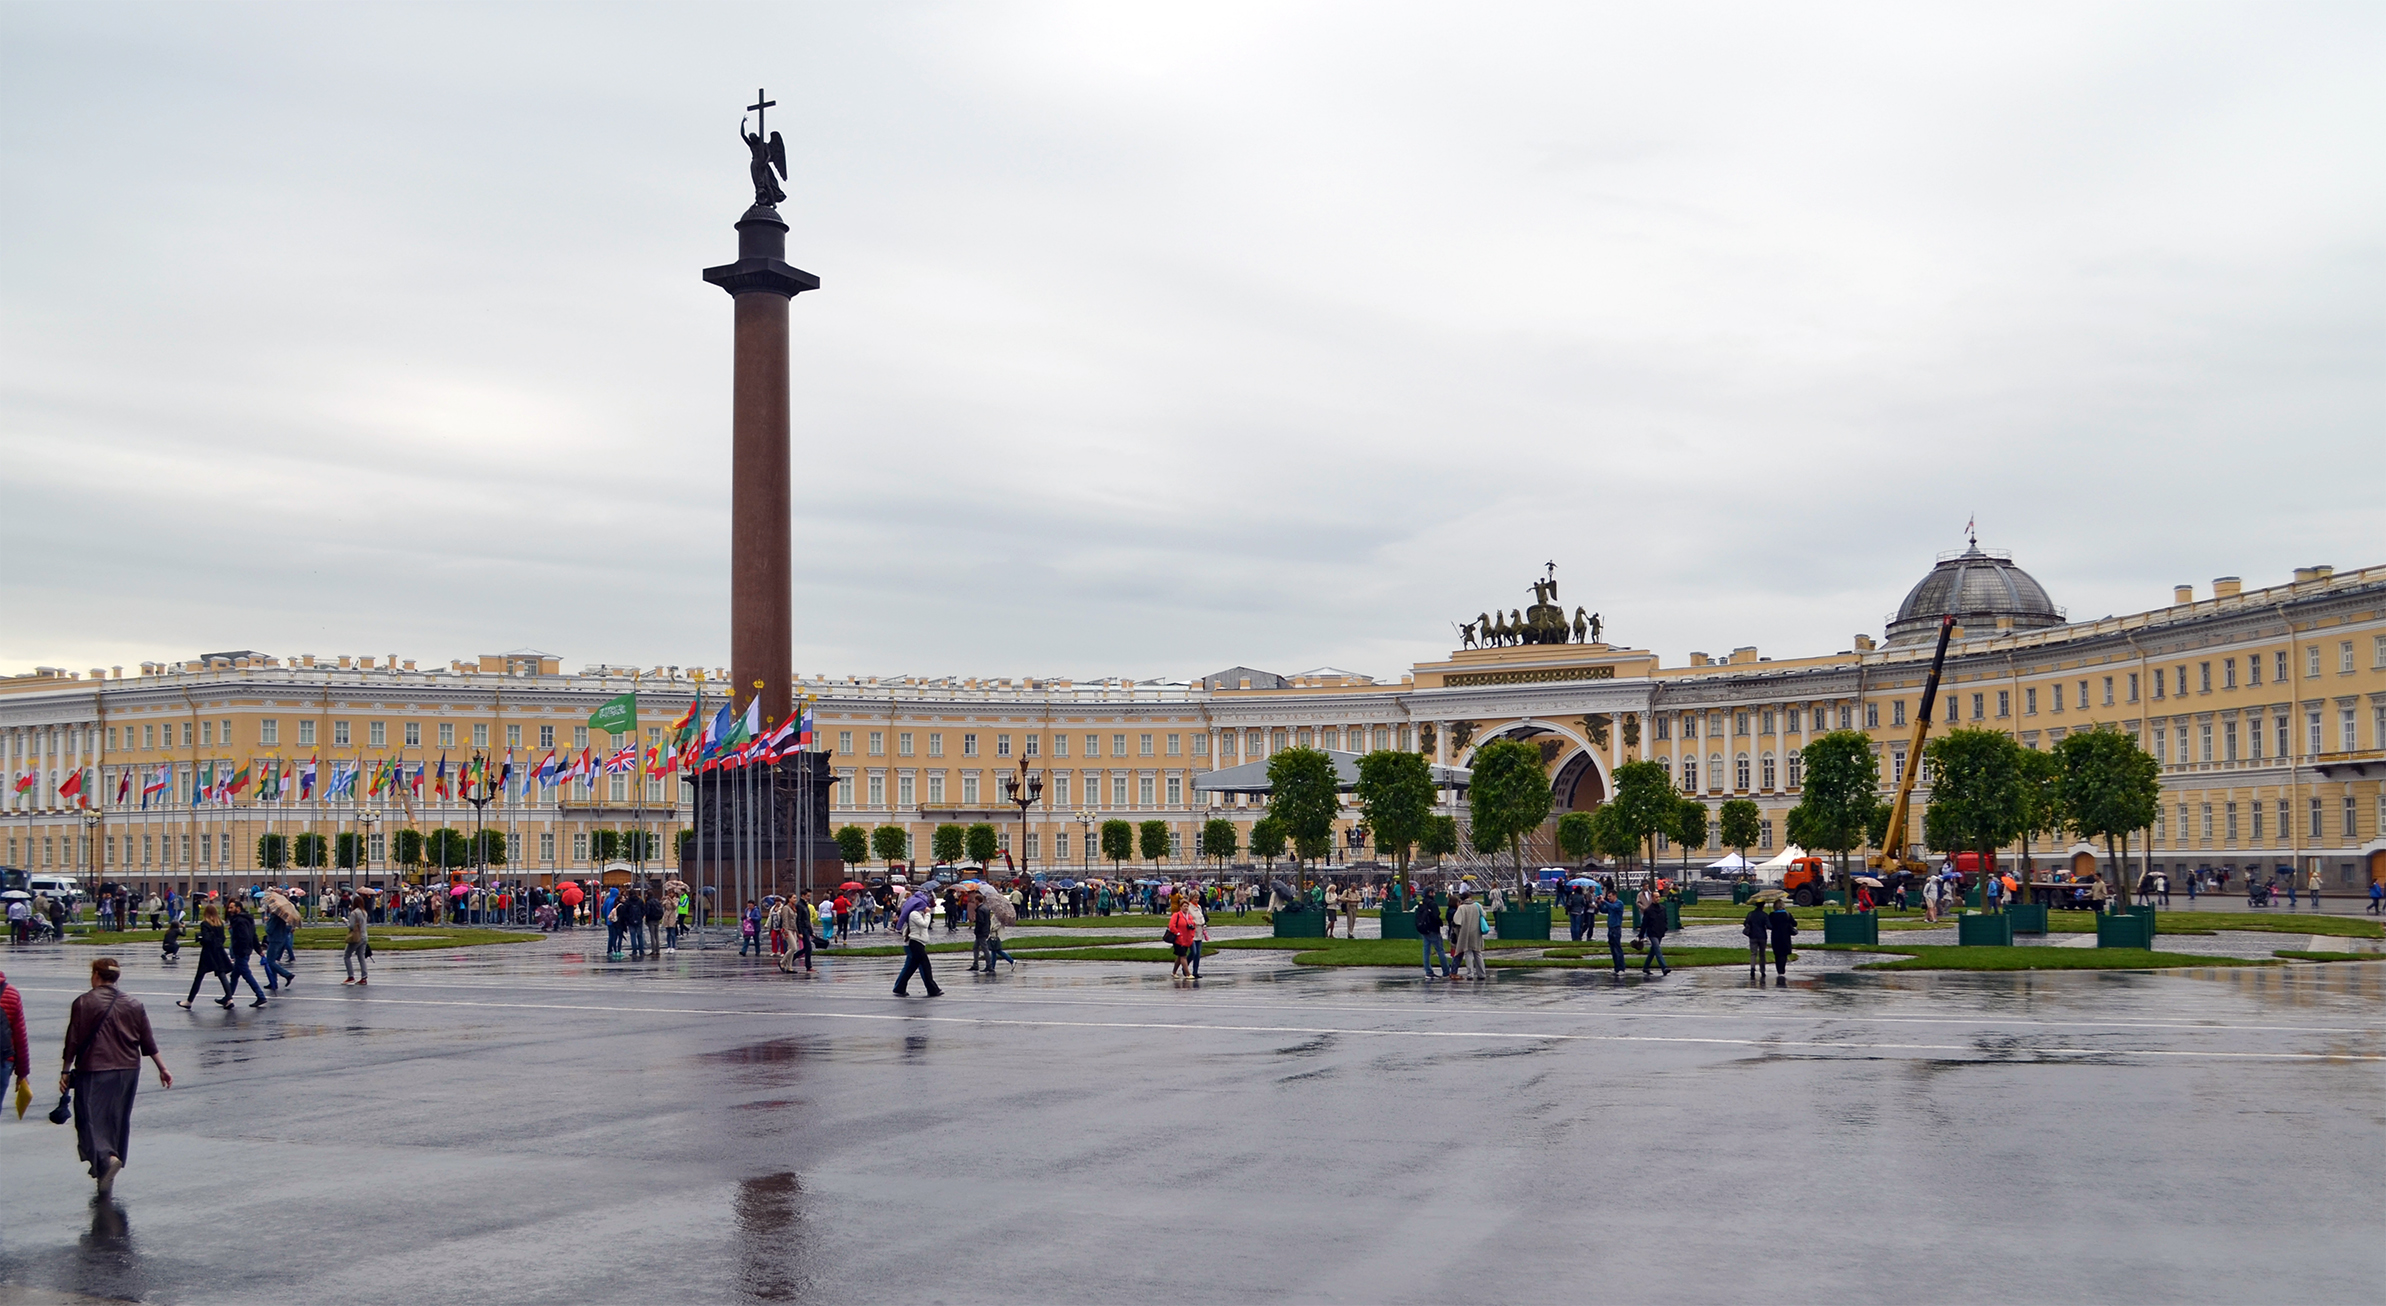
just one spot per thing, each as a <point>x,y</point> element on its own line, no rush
<point>1805,881</point>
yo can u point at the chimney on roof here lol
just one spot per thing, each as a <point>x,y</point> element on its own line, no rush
<point>1864,643</point>
<point>2226,587</point>
<point>2323,571</point>
<point>1698,659</point>
<point>2182,594</point>
<point>1746,653</point>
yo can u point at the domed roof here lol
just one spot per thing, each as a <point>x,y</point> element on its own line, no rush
<point>1983,590</point>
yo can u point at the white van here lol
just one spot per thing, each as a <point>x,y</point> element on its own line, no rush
<point>63,887</point>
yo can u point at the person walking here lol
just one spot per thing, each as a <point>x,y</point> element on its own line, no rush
<point>1180,937</point>
<point>16,1054</point>
<point>1783,927</point>
<point>2377,895</point>
<point>916,918</point>
<point>1351,902</point>
<point>244,946</point>
<point>154,909</point>
<point>1753,926</point>
<point>1467,924</point>
<point>213,960</point>
<point>107,1034</point>
<point>1429,928</point>
<point>281,934</point>
<point>1611,905</point>
<point>981,926</point>
<point>651,912</point>
<point>358,947</point>
<point>1652,928</point>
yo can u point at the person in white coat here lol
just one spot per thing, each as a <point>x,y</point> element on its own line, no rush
<point>1467,924</point>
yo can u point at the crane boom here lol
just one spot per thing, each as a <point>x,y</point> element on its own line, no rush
<point>1893,840</point>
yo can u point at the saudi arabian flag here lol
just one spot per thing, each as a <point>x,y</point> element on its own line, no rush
<point>618,716</point>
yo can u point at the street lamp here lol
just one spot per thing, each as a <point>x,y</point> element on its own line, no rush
<point>479,801</point>
<point>1023,791</point>
<point>364,854</point>
<point>1085,843</point>
<point>91,819</point>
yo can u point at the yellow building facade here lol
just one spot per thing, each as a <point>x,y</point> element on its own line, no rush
<point>2266,706</point>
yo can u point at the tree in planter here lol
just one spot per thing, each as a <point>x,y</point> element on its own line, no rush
<point>273,852</point>
<point>1843,783</point>
<point>1978,800</point>
<point>310,851</point>
<point>1151,839</point>
<point>1508,798</point>
<point>1395,791</point>
<point>1689,829</point>
<point>2042,799</point>
<point>638,845</point>
<point>2110,787</point>
<point>1267,840</point>
<point>486,847</point>
<point>853,844</point>
<point>347,850</point>
<point>1305,797</point>
<point>1742,824</point>
<point>1310,848</point>
<point>406,848</point>
<point>1219,840</point>
<point>1643,806</point>
<point>1118,843</point>
<point>891,842</point>
<point>1578,835</point>
<point>1613,837</point>
<point>947,844</point>
<point>981,842</point>
<point>604,846</point>
<point>448,849</point>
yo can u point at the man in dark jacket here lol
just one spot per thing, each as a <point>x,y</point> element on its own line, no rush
<point>654,922</point>
<point>1613,906</point>
<point>1652,928</point>
<point>1782,926</point>
<point>1429,929</point>
<point>1754,927</point>
<point>244,946</point>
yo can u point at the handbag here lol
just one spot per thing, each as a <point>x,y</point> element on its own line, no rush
<point>65,1109</point>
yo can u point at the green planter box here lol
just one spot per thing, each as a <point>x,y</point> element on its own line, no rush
<point>2146,914</point>
<point>2129,931</point>
<point>1301,923</point>
<point>1984,930</point>
<point>1689,893</point>
<point>1521,923</point>
<point>1851,927</point>
<point>1972,899</point>
<point>1836,897</point>
<point>1742,893</point>
<point>2027,919</point>
<point>1401,924</point>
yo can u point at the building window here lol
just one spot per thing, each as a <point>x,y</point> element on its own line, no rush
<point>1176,745</point>
<point>1740,724</point>
<point>903,744</point>
<point>845,789</point>
<point>546,736</point>
<point>1715,770</point>
<point>1176,791</point>
<point>480,736</point>
<point>2311,732</point>
<point>339,734</point>
<point>2278,667</point>
<point>1060,845</point>
<point>2207,825</point>
<point>447,734</point>
<point>2256,807</point>
<point>2108,693</point>
<point>2350,832</point>
<point>877,743</point>
<point>1093,745</point>
<point>1897,713</point>
<point>1689,726</point>
<point>2204,741</point>
<point>2230,816</point>
<point>1897,767</point>
<point>579,847</point>
<point>1060,745</point>
<point>2161,743</point>
<point>1764,723</point>
<point>969,745</point>
<point>2203,678</point>
<point>2284,744</point>
<point>1872,716</point>
<point>2316,832</point>
<point>2253,737</point>
<point>1689,775</point>
<point>1768,771</point>
<point>877,790</point>
<point>844,742</point>
<point>1002,745</point>
<point>1060,788</point>
<point>1034,745</point>
<point>1790,723</point>
<point>906,794</point>
<point>1740,772</point>
<point>1797,768</point>
<point>306,734</point>
<point>936,786</point>
<point>969,789</point>
<point>2253,668</point>
<point>935,745</point>
<point>414,734</point>
<point>1143,791</point>
<point>2228,673</point>
<point>1118,790</point>
<point>269,732</point>
<point>2228,741</point>
<point>2344,658</point>
<point>1664,728</point>
<point>546,848</point>
<point>2311,661</point>
<point>1033,846</point>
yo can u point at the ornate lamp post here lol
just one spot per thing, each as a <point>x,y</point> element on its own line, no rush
<point>366,819</point>
<point>480,797</point>
<point>1085,842</point>
<point>1023,791</point>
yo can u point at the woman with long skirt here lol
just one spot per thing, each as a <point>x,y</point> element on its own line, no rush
<point>107,1034</point>
<point>213,958</point>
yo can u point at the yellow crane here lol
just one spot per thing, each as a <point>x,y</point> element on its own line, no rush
<point>1892,857</point>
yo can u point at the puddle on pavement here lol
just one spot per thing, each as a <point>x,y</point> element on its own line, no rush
<point>772,1257</point>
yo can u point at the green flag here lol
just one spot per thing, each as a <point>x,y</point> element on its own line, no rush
<point>618,716</point>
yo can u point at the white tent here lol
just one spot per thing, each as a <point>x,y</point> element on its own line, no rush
<point>1732,864</point>
<point>1771,870</point>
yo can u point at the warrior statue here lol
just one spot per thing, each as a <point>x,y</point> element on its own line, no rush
<point>1594,628</point>
<point>1466,633</point>
<point>768,154</point>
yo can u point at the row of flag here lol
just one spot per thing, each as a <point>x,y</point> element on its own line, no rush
<point>727,741</point>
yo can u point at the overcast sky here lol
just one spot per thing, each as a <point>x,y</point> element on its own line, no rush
<point>1153,340</point>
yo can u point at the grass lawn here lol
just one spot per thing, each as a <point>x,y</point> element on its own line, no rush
<point>1929,957</point>
<point>2299,954</point>
<point>331,938</point>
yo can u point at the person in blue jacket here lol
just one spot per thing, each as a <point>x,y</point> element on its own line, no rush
<point>1614,907</point>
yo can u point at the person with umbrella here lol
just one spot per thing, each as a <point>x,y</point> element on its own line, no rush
<point>281,934</point>
<point>916,919</point>
<point>1782,927</point>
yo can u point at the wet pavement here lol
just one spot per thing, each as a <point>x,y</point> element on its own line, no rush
<point>532,1123</point>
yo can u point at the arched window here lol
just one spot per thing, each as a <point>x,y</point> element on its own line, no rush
<point>1797,768</point>
<point>1689,775</point>
<point>1715,771</point>
<point>1767,772</point>
<point>1740,772</point>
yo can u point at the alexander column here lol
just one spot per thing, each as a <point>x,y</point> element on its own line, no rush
<point>761,570</point>
<point>762,824</point>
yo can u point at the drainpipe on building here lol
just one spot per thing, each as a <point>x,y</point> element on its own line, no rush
<point>2294,796</point>
<point>2145,859</point>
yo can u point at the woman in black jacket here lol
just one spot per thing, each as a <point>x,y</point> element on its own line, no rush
<point>213,960</point>
<point>1652,928</point>
<point>244,946</point>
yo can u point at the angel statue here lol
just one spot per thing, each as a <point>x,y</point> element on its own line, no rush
<point>768,154</point>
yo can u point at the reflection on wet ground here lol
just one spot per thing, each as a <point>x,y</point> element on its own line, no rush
<point>507,1124</point>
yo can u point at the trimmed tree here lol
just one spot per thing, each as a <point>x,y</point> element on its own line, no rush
<point>2042,798</point>
<point>1578,835</point>
<point>1395,790</point>
<point>1118,843</point>
<point>981,842</point>
<point>1151,839</point>
<point>1742,824</point>
<point>347,850</point>
<point>891,842</point>
<point>310,851</point>
<point>1977,801</point>
<point>1440,838</point>
<point>1643,806</point>
<point>487,847</point>
<point>1508,798</point>
<point>948,843</point>
<point>406,848</point>
<point>1267,840</point>
<point>1843,782</point>
<point>1219,840</point>
<point>273,851</point>
<point>853,844</point>
<point>448,849</point>
<point>1613,837</point>
<point>1305,796</point>
<point>2109,788</point>
<point>604,846</point>
<point>1689,829</point>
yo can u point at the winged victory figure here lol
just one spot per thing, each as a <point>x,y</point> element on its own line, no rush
<point>768,154</point>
